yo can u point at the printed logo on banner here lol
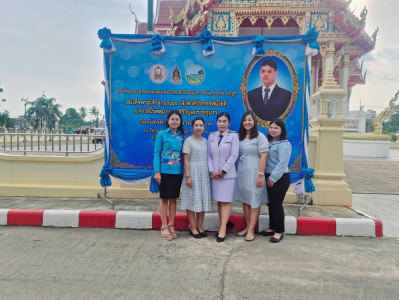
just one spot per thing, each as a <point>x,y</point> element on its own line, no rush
<point>158,73</point>
<point>195,74</point>
<point>176,76</point>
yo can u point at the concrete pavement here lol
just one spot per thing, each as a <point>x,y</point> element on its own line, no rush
<point>67,263</point>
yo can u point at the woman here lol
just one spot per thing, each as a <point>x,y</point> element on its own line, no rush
<point>196,191</point>
<point>168,167</point>
<point>278,178</point>
<point>250,183</point>
<point>223,148</point>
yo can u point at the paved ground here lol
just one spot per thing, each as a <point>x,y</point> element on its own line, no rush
<point>56,263</point>
<point>372,176</point>
<point>382,207</point>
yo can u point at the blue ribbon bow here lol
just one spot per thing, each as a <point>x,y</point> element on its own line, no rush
<point>105,179</point>
<point>206,39</point>
<point>104,35</point>
<point>311,38</point>
<point>308,174</point>
<point>259,45</point>
<point>156,43</point>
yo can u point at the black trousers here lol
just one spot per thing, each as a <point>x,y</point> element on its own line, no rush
<point>276,196</point>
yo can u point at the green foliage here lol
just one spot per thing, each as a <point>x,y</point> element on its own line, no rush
<point>42,110</point>
<point>366,137</point>
<point>6,121</point>
<point>392,125</point>
<point>72,119</point>
<point>369,125</point>
<point>94,112</point>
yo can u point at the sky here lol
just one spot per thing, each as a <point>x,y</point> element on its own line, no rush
<point>51,46</point>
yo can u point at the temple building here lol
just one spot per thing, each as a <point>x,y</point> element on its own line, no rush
<point>342,38</point>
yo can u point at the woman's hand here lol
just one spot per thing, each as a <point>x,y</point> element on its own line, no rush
<point>220,175</point>
<point>214,175</point>
<point>157,177</point>
<point>189,182</point>
<point>259,181</point>
<point>269,183</point>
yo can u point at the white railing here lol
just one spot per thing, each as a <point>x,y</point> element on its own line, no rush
<point>28,142</point>
<point>352,125</point>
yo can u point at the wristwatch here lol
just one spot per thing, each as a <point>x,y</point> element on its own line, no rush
<point>224,172</point>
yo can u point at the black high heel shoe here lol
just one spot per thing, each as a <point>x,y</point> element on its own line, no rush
<point>203,233</point>
<point>197,236</point>
<point>220,239</point>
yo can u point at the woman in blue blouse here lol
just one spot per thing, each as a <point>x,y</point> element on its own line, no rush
<point>168,168</point>
<point>277,178</point>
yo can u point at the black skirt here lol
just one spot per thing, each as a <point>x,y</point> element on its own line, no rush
<point>170,186</point>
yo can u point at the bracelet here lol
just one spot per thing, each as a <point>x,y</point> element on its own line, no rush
<point>260,173</point>
<point>188,176</point>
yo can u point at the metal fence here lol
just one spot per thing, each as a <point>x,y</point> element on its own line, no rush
<point>28,142</point>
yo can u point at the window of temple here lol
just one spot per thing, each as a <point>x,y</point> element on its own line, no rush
<point>260,28</point>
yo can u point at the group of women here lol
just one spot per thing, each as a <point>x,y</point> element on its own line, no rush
<point>247,166</point>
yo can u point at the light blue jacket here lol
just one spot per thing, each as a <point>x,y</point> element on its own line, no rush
<point>278,159</point>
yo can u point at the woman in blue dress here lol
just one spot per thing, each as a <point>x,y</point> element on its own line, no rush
<point>196,191</point>
<point>250,185</point>
<point>277,178</point>
<point>168,167</point>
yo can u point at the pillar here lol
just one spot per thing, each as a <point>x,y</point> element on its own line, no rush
<point>331,188</point>
<point>345,81</point>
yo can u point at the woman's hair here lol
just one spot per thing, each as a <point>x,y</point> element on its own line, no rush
<point>242,132</point>
<point>175,112</point>
<point>280,123</point>
<point>196,119</point>
<point>223,114</point>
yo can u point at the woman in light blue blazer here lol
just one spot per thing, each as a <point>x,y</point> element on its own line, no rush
<point>277,178</point>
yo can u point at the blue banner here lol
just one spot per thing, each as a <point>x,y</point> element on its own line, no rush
<point>146,76</point>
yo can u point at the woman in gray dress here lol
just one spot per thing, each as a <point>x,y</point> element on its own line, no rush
<point>196,191</point>
<point>250,185</point>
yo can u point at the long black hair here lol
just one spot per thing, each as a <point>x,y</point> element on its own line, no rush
<point>175,112</point>
<point>242,132</point>
<point>280,123</point>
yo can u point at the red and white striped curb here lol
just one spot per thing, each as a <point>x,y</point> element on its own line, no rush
<point>151,220</point>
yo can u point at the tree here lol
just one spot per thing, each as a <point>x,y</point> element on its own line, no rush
<point>71,119</point>
<point>392,125</point>
<point>36,112</point>
<point>83,112</point>
<point>43,110</point>
<point>94,112</point>
<point>53,113</point>
<point>6,121</point>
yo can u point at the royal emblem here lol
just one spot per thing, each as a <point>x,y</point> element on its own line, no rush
<point>176,76</point>
<point>158,73</point>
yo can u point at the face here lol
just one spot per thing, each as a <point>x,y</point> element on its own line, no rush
<point>274,131</point>
<point>198,127</point>
<point>248,122</point>
<point>174,121</point>
<point>223,124</point>
<point>268,75</point>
